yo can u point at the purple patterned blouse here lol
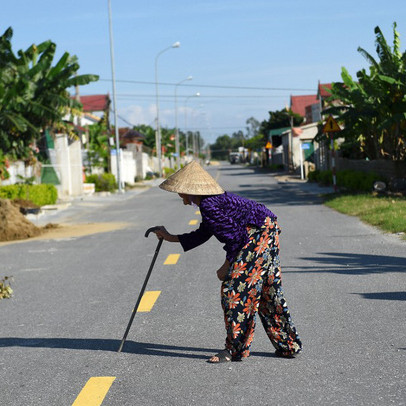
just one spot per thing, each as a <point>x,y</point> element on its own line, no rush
<point>226,216</point>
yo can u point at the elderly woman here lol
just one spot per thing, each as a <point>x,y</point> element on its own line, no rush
<point>251,272</point>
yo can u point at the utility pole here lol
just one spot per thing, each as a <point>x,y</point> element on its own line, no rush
<point>118,155</point>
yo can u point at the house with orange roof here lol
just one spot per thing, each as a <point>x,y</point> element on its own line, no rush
<point>298,147</point>
<point>323,93</point>
<point>298,104</point>
<point>97,103</point>
<point>308,106</point>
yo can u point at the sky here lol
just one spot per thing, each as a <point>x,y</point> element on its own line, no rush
<point>246,58</point>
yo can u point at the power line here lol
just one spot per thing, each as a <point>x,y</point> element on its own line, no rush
<point>127,122</point>
<point>129,95</point>
<point>122,118</point>
<point>216,128</point>
<point>189,128</point>
<point>211,86</point>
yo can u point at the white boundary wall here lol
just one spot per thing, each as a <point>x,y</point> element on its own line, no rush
<point>69,166</point>
<point>137,164</point>
<point>18,168</point>
<point>128,169</point>
<point>67,161</point>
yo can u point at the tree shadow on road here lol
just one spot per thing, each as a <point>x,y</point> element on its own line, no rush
<point>383,295</point>
<point>109,345</point>
<point>237,170</point>
<point>287,194</point>
<point>350,264</point>
<point>260,185</point>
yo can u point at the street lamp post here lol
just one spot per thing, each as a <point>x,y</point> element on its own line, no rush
<point>118,155</point>
<point>158,129</point>
<point>176,121</point>
<point>198,138</point>
<point>187,142</point>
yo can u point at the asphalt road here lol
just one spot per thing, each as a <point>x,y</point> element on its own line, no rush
<point>344,282</point>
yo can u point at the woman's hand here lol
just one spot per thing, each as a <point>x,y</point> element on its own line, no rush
<point>223,270</point>
<point>162,232</point>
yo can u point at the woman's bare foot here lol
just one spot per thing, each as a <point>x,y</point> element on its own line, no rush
<point>222,356</point>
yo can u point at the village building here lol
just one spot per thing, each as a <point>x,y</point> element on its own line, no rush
<point>295,147</point>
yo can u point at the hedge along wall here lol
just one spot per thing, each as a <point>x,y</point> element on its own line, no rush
<point>41,195</point>
<point>387,169</point>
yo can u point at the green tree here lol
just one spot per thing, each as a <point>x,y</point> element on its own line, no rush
<point>237,139</point>
<point>15,96</point>
<point>373,109</point>
<point>98,145</point>
<point>253,126</point>
<point>280,119</point>
<point>168,140</point>
<point>252,140</point>
<point>149,134</point>
<point>221,148</point>
<point>34,93</point>
<point>256,142</point>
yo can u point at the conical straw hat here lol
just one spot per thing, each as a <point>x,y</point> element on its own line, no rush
<point>192,179</point>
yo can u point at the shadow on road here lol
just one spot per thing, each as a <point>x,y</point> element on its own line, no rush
<point>383,295</point>
<point>350,264</point>
<point>237,170</point>
<point>260,185</point>
<point>286,194</point>
<point>132,347</point>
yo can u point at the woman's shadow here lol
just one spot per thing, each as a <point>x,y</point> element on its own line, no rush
<point>132,347</point>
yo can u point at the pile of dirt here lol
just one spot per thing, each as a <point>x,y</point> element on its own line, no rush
<point>25,204</point>
<point>13,224</point>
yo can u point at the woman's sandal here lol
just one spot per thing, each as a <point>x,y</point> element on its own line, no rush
<point>222,356</point>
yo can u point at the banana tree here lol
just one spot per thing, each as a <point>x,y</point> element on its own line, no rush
<point>373,108</point>
<point>34,93</point>
<point>98,145</point>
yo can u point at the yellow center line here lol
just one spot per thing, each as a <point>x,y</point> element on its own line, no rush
<point>172,259</point>
<point>193,222</point>
<point>148,300</point>
<point>94,392</point>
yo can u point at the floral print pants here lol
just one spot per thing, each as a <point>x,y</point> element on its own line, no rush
<point>253,285</point>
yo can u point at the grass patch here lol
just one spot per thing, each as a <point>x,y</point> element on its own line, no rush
<point>387,213</point>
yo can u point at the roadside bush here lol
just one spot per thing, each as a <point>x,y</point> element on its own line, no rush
<point>313,176</point>
<point>168,171</point>
<point>326,177</point>
<point>40,195</point>
<point>151,175</point>
<point>349,180</point>
<point>4,165</point>
<point>105,182</point>
<point>357,181</point>
<point>276,167</point>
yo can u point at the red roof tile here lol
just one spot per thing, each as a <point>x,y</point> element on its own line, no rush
<point>321,90</point>
<point>298,103</point>
<point>97,102</point>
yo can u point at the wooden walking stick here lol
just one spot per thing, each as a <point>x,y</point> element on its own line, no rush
<point>152,229</point>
